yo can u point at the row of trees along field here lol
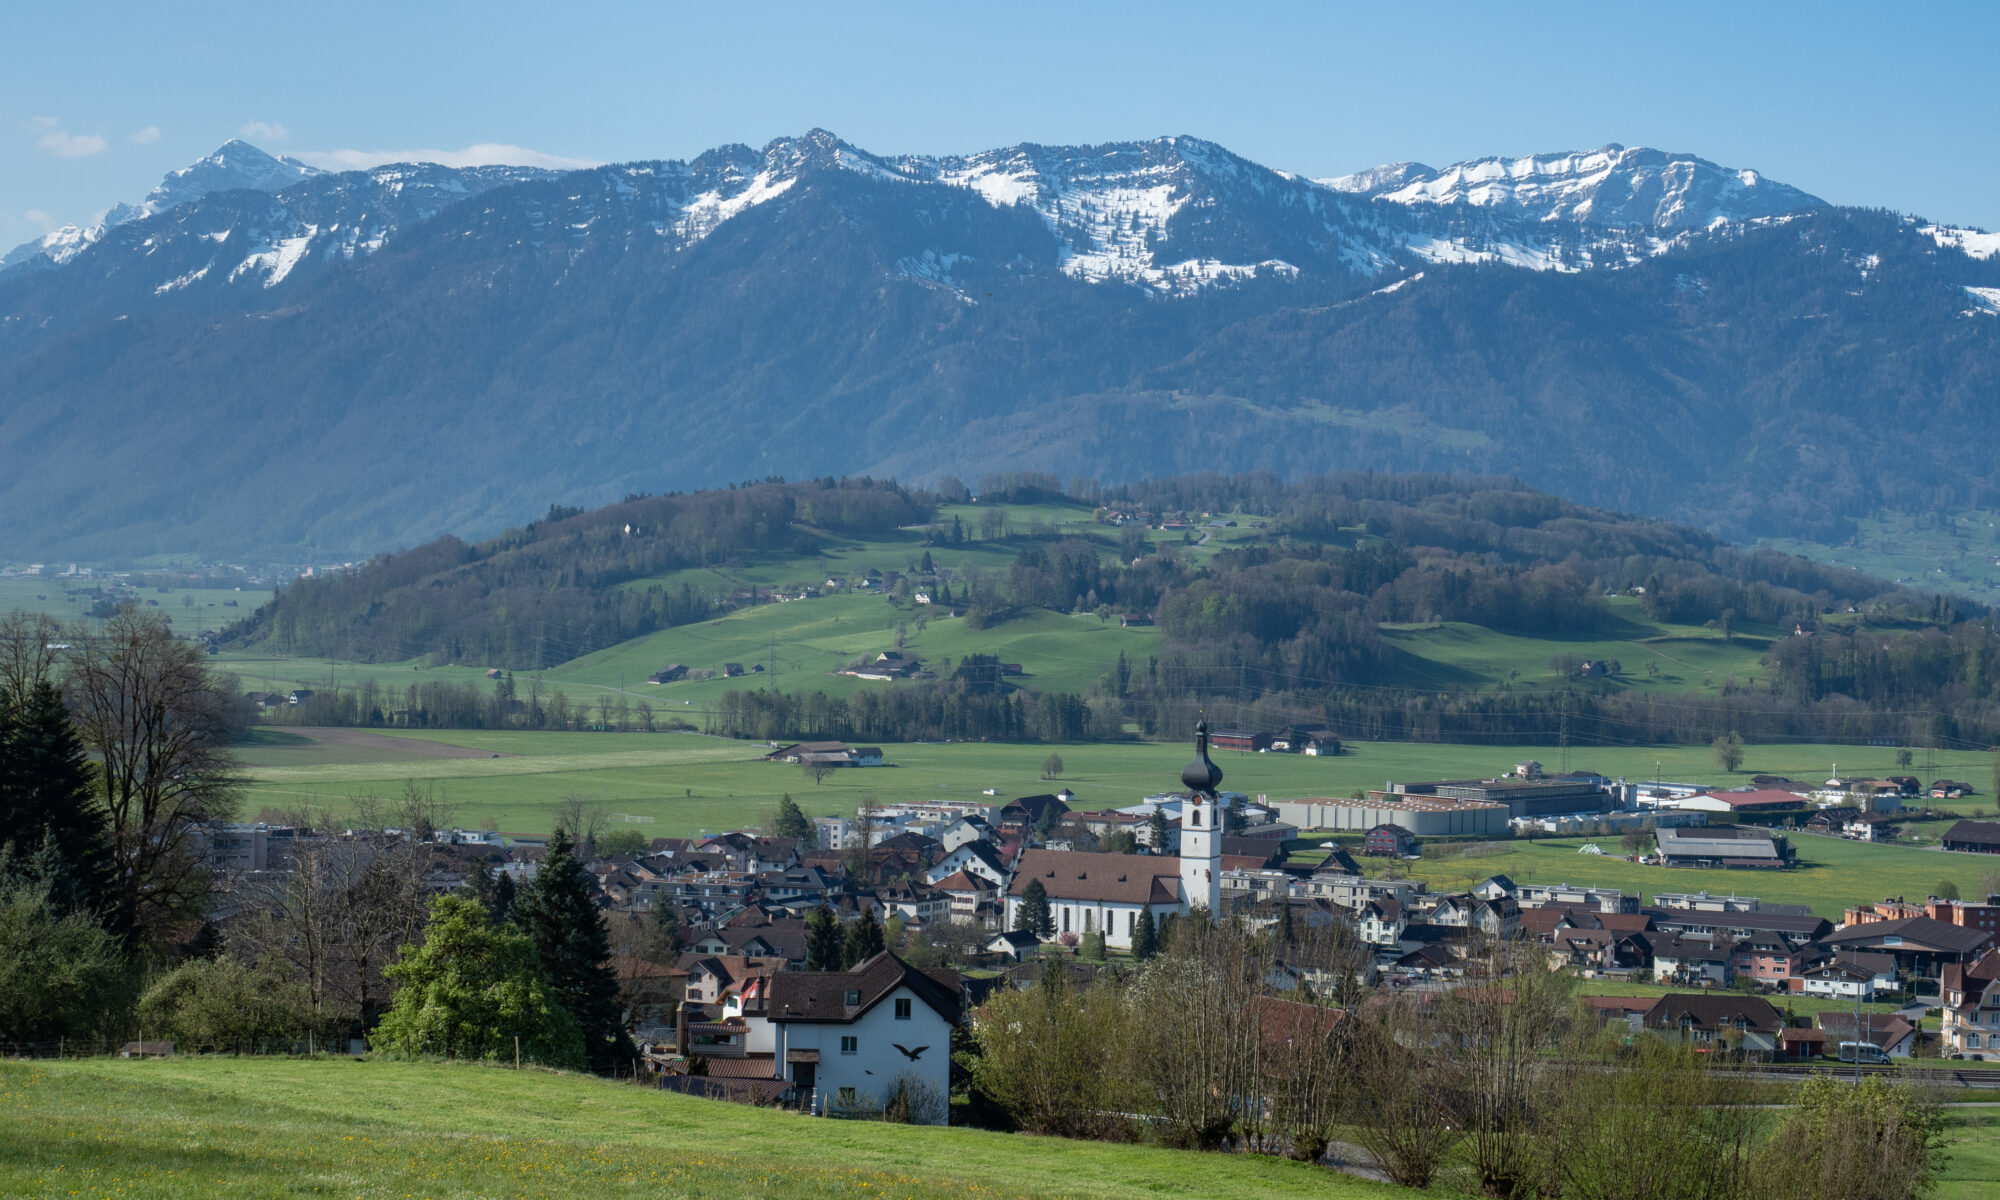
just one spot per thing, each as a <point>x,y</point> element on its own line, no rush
<point>1508,1087</point>
<point>1288,621</point>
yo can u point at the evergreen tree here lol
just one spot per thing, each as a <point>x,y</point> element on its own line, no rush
<point>1034,915</point>
<point>48,803</point>
<point>572,945</point>
<point>792,822</point>
<point>1158,828</point>
<point>504,895</point>
<point>667,920</point>
<point>1287,935</point>
<point>864,941</point>
<point>1145,943</point>
<point>825,940</point>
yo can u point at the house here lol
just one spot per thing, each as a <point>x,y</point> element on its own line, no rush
<point>970,899</point>
<point>850,1037</point>
<point>1972,1006</point>
<point>1134,621</point>
<point>731,670</point>
<point>1974,837</point>
<point>671,673</point>
<point>1493,887</point>
<point>1869,827</point>
<point>1691,960</point>
<point>1752,802</point>
<point>1709,1019</point>
<point>1890,1033</point>
<point>1951,789</point>
<point>1015,944</point>
<point>1919,944</point>
<point>979,860</point>
<point>1392,841</point>
<point>1498,918</point>
<point>1848,976</point>
<point>1381,922</point>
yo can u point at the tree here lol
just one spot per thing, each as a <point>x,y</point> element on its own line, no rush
<point>1052,766</point>
<point>1873,1140</point>
<point>48,797</point>
<point>159,726</point>
<point>572,948</point>
<point>1729,751</point>
<point>864,941</point>
<point>1947,890</point>
<point>816,771</point>
<point>1092,946</point>
<point>1157,829</point>
<point>1636,840</point>
<point>825,940</point>
<point>1033,914</point>
<point>623,841</point>
<point>224,1003</point>
<point>471,989</point>
<point>1904,757</point>
<point>792,822</point>
<point>1050,1056</point>
<point>61,973</point>
<point>1145,942</point>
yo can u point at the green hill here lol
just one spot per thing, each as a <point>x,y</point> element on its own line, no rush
<point>207,1127</point>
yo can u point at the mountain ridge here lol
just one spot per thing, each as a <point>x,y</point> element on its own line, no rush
<point>366,359</point>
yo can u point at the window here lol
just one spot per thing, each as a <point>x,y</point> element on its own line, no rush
<point>1131,923</point>
<point>854,997</point>
<point>850,1045</point>
<point>1972,1040</point>
<point>902,1010</point>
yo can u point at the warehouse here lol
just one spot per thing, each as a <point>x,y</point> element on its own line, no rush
<point>1424,816</point>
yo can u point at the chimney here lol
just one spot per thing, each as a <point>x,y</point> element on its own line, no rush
<point>681,1029</point>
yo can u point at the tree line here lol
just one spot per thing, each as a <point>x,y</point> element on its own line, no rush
<point>1506,1087</point>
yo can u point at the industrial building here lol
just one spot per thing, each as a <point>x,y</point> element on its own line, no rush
<point>1422,815</point>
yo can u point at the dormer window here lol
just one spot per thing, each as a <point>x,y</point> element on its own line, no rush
<point>854,997</point>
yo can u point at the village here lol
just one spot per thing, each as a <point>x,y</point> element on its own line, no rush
<point>809,965</point>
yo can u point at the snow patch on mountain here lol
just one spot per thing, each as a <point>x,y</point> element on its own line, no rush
<point>179,282</point>
<point>1975,243</point>
<point>1612,186</point>
<point>1985,301</point>
<point>277,261</point>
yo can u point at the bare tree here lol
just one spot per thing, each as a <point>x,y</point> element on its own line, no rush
<point>159,726</point>
<point>1399,1106</point>
<point>583,818</point>
<point>1197,1045</point>
<point>30,645</point>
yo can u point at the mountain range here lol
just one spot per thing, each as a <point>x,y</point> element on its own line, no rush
<point>264,360</point>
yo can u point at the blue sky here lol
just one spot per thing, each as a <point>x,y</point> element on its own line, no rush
<point>1861,104</point>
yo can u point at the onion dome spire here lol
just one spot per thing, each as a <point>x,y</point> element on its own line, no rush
<point>1201,775</point>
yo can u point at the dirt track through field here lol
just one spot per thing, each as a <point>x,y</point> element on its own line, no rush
<point>392,748</point>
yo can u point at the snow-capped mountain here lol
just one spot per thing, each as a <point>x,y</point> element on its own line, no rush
<point>309,346</point>
<point>1614,187</point>
<point>235,165</point>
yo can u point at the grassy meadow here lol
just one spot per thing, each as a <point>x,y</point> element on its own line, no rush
<point>192,610</point>
<point>184,1128</point>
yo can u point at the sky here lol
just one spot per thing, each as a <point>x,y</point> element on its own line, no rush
<point>1891,106</point>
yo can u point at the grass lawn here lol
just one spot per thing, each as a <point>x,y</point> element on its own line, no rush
<point>282,1127</point>
<point>1973,1172</point>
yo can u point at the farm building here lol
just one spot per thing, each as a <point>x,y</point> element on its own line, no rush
<point>1974,837</point>
<point>1725,846</point>
<point>668,674</point>
<point>1239,740</point>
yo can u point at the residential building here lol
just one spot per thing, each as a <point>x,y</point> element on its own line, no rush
<point>1921,946</point>
<point>847,1037</point>
<point>1389,841</point>
<point>1712,1018</point>
<point>1972,1006</point>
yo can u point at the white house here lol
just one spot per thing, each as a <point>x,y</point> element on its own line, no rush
<point>980,860</point>
<point>847,1037</point>
<point>1382,922</point>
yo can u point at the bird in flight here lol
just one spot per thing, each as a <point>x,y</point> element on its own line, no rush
<point>912,1055</point>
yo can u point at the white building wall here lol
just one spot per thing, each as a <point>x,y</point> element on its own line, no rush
<point>872,1069</point>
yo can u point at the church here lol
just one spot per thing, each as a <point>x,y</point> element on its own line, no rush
<point>1105,893</point>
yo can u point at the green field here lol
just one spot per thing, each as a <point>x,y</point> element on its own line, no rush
<point>266,1127</point>
<point>187,1128</point>
<point>192,610</point>
<point>688,783</point>
<point>1930,552</point>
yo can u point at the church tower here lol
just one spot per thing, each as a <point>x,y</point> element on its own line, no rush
<point>1201,832</point>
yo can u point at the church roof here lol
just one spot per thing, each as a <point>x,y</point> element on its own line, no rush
<point>1105,878</point>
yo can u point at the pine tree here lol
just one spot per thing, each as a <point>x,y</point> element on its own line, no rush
<point>792,822</point>
<point>825,940</point>
<point>504,895</point>
<point>1158,828</point>
<point>864,941</point>
<point>572,945</point>
<point>1145,943</point>
<point>1034,915</point>
<point>47,801</point>
<point>1287,935</point>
